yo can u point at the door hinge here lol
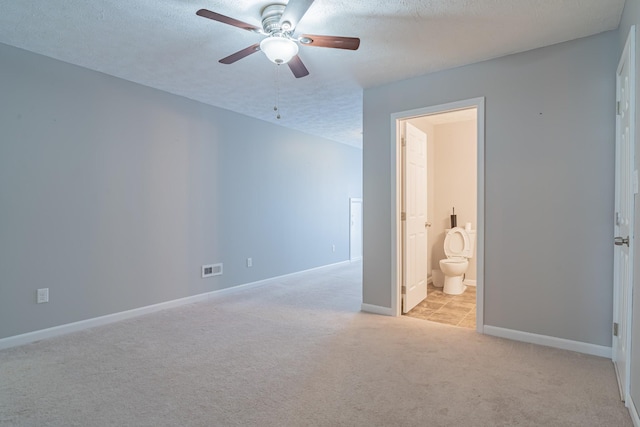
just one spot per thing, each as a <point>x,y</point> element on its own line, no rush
<point>403,216</point>
<point>404,290</point>
<point>403,141</point>
<point>617,108</point>
<point>615,329</point>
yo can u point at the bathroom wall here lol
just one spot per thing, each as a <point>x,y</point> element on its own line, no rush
<point>455,183</point>
<point>432,234</point>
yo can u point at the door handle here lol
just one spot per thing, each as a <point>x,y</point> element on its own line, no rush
<point>619,241</point>
<point>427,224</point>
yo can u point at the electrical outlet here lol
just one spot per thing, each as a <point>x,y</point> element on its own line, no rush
<point>249,262</point>
<point>333,248</point>
<point>42,295</point>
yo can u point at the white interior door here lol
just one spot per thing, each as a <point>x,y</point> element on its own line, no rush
<point>355,230</point>
<point>414,217</point>
<point>625,181</point>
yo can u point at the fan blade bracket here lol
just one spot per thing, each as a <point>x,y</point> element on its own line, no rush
<point>335,42</point>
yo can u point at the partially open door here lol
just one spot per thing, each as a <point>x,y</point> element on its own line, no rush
<point>625,181</point>
<point>414,217</point>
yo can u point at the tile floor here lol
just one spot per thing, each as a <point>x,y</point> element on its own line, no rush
<point>457,310</point>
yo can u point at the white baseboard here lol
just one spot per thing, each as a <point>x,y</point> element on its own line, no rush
<point>580,347</point>
<point>633,411</point>
<point>236,288</point>
<point>470,282</point>
<point>376,309</point>
<point>55,331</point>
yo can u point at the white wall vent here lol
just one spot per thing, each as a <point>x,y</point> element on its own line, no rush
<point>211,270</point>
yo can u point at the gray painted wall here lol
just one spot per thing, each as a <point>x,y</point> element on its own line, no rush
<point>113,195</point>
<point>631,16</point>
<point>549,167</point>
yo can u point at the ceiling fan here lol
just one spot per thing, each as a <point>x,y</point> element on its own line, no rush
<point>279,22</point>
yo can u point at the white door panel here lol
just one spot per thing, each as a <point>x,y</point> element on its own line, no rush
<point>624,212</point>
<point>415,218</point>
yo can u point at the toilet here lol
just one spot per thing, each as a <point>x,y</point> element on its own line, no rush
<point>458,247</point>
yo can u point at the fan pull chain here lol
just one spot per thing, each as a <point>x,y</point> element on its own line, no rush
<point>275,108</point>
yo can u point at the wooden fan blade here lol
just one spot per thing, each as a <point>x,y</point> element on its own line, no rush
<point>297,67</point>
<point>226,20</point>
<point>350,43</point>
<point>294,11</point>
<point>240,54</point>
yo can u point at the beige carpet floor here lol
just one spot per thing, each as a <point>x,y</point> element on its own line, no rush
<point>298,352</point>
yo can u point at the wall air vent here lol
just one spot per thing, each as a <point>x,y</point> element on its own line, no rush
<point>211,270</point>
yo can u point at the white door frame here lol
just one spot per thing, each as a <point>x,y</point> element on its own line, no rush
<point>357,257</point>
<point>396,200</point>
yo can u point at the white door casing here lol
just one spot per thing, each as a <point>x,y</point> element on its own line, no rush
<point>625,181</point>
<point>396,121</point>
<point>355,229</point>
<point>414,208</point>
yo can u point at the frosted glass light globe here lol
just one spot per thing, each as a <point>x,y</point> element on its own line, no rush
<point>279,50</point>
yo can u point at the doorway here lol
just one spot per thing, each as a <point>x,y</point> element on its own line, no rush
<point>449,189</point>
<point>462,108</point>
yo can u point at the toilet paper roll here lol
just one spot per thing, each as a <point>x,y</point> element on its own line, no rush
<point>467,226</point>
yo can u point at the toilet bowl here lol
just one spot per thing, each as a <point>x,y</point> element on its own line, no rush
<point>458,247</point>
<point>454,270</point>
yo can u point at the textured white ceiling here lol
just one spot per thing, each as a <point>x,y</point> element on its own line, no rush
<point>163,44</point>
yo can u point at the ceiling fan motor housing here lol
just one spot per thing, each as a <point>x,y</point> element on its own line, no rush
<point>271,15</point>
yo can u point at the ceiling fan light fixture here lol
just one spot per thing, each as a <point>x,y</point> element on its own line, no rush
<point>279,50</point>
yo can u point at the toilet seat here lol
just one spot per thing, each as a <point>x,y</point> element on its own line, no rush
<point>456,244</point>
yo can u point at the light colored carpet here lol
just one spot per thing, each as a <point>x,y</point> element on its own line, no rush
<point>297,352</point>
